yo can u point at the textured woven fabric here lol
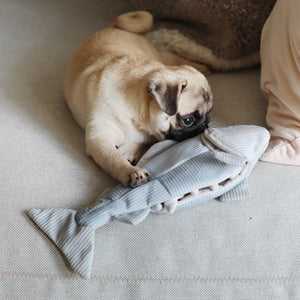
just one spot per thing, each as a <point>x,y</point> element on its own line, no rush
<point>181,175</point>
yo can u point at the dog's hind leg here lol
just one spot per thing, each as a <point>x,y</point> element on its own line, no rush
<point>171,59</point>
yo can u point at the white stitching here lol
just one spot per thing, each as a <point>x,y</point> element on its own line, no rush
<point>187,279</point>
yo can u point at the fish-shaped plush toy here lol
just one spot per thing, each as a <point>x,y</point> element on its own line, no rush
<point>183,174</point>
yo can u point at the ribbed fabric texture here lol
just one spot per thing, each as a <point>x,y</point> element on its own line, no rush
<point>75,242</point>
<point>136,199</point>
<point>239,192</point>
<point>181,175</point>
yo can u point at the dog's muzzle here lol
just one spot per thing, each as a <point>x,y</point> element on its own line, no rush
<point>185,133</point>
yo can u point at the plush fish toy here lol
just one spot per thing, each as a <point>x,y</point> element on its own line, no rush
<point>183,174</point>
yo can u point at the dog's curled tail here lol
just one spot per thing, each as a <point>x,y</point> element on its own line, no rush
<point>135,22</point>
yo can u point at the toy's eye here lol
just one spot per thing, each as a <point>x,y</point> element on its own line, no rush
<point>187,121</point>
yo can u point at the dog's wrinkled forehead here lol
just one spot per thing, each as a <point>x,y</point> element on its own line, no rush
<point>195,98</point>
<point>180,89</point>
<point>196,95</point>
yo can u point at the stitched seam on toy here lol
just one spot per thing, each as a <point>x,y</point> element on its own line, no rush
<point>216,143</point>
<point>163,279</point>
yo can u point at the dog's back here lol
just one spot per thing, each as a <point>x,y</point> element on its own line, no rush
<point>123,38</point>
<point>125,30</point>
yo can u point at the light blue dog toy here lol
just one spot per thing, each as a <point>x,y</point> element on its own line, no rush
<point>211,165</point>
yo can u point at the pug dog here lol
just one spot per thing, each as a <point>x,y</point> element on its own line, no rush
<point>127,95</point>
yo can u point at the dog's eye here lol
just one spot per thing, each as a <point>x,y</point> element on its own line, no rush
<point>187,121</point>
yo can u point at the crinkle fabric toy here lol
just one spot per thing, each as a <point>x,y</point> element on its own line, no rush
<point>211,165</point>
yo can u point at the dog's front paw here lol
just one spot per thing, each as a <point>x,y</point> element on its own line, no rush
<point>136,177</point>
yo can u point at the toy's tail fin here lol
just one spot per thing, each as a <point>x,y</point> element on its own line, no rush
<point>76,242</point>
<point>136,22</point>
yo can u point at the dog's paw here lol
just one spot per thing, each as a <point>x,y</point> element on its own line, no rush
<point>137,177</point>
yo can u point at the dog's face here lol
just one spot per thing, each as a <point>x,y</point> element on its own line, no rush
<point>184,98</point>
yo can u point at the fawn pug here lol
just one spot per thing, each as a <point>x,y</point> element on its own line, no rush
<point>126,94</point>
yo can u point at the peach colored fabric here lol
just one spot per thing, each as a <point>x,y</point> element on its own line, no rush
<point>280,81</point>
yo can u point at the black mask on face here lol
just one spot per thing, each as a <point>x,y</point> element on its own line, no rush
<point>190,126</point>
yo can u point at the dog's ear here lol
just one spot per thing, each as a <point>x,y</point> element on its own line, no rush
<point>166,95</point>
<point>207,95</point>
